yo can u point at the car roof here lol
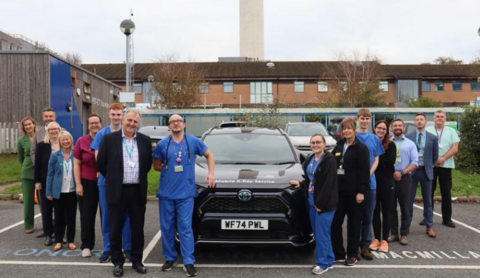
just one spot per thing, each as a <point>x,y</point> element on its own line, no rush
<point>238,130</point>
<point>305,123</point>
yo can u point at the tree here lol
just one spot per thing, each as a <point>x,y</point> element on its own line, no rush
<point>447,60</point>
<point>356,78</point>
<point>475,59</point>
<point>468,156</point>
<point>423,102</point>
<point>177,84</point>
<point>267,116</point>
<point>73,58</point>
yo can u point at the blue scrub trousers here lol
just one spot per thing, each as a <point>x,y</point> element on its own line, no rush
<point>321,226</point>
<point>182,209</point>
<point>126,232</point>
<point>426,185</point>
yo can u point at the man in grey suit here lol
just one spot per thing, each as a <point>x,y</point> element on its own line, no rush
<point>427,146</point>
<point>48,116</point>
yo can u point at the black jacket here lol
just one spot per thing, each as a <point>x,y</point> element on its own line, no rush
<point>110,164</point>
<point>385,168</point>
<point>356,164</point>
<point>42,156</point>
<point>325,192</point>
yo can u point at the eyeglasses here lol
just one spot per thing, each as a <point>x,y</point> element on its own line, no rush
<point>316,142</point>
<point>53,129</point>
<point>381,128</point>
<point>94,123</point>
<point>175,122</point>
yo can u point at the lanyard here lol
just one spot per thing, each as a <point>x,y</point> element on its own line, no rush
<point>345,147</point>
<point>398,146</point>
<point>129,152</point>
<point>67,164</point>
<point>313,166</point>
<point>439,136</point>
<point>179,155</point>
<point>168,145</point>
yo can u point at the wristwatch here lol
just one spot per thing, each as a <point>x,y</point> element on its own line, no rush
<point>402,173</point>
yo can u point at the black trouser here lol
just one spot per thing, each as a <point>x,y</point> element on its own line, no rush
<point>131,202</point>
<point>88,205</point>
<point>347,205</point>
<point>46,208</point>
<point>402,194</point>
<point>384,204</point>
<point>65,214</point>
<point>444,176</point>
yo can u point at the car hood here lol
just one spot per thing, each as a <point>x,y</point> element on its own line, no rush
<point>305,140</point>
<point>250,176</point>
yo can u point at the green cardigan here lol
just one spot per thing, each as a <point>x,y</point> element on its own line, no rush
<point>23,153</point>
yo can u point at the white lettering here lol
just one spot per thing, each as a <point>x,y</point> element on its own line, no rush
<point>440,257</point>
<point>52,254</point>
<point>380,255</point>
<point>447,255</point>
<point>463,257</point>
<point>409,254</point>
<point>475,255</point>
<point>425,255</point>
<point>395,255</point>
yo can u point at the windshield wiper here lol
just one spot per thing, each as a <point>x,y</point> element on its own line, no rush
<point>283,163</point>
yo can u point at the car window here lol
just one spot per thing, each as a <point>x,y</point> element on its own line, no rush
<point>249,148</point>
<point>306,130</point>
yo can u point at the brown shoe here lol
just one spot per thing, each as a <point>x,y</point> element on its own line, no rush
<point>403,240</point>
<point>393,238</point>
<point>431,233</point>
<point>29,231</point>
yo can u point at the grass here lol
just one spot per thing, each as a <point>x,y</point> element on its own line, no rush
<point>14,189</point>
<point>11,168</point>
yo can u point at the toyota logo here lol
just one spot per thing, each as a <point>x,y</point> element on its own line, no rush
<point>244,195</point>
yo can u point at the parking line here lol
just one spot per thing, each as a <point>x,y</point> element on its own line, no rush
<point>16,224</point>
<point>456,221</point>
<point>151,245</point>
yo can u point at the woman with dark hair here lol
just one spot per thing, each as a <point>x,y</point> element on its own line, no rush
<point>353,160</point>
<point>28,126</point>
<point>385,188</point>
<point>320,187</point>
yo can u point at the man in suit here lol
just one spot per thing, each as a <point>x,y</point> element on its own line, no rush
<point>427,147</point>
<point>125,158</point>
<point>48,116</point>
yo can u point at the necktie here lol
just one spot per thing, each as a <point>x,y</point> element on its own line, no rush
<point>419,140</point>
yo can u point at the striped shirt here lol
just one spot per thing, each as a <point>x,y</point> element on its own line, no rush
<point>131,165</point>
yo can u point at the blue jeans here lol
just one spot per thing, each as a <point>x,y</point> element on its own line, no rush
<point>321,225</point>
<point>369,202</point>
<point>426,185</point>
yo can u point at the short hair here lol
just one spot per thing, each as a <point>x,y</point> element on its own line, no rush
<point>46,139</point>
<point>115,106</point>
<point>421,114</point>
<point>440,111</point>
<point>48,109</point>
<point>28,119</point>
<point>364,112</point>
<point>348,122</point>
<point>317,134</point>
<point>93,115</point>
<point>64,133</point>
<point>398,120</point>
<point>134,111</point>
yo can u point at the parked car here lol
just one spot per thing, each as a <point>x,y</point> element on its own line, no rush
<point>300,133</point>
<point>335,130</point>
<point>156,133</point>
<point>253,202</point>
<point>232,124</point>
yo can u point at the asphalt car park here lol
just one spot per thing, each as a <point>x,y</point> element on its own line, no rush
<point>455,252</point>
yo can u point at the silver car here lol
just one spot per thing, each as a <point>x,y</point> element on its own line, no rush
<point>300,133</point>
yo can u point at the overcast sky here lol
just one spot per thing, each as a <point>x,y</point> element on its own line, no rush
<point>400,32</point>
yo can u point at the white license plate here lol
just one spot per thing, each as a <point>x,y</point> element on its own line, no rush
<point>232,224</point>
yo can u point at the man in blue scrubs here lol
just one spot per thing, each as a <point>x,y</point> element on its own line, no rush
<point>174,156</point>
<point>115,113</point>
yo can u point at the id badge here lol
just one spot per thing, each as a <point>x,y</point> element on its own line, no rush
<point>440,145</point>
<point>341,172</point>
<point>66,179</point>
<point>420,154</point>
<point>178,168</point>
<point>131,164</point>
<point>398,160</point>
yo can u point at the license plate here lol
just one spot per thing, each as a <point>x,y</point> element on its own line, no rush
<point>232,224</point>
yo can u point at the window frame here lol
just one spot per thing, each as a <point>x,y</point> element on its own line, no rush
<point>426,82</point>
<point>381,86</point>
<point>296,85</point>
<point>228,85</point>
<point>437,83</point>
<point>324,85</point>
<point>456,82</point>
<point>476,84</point>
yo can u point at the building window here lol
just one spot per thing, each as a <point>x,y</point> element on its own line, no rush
<point>383,86</point>
<point>261,92</point>
<point>439,86</point>
<point>228,87</point>
<point>137,88</point>
<point>343,85</point>
<point>322,86</point>
<point>299,86</point>
<point>457,86</point>
<point>425,86</point>
<point>474,86</point>
<point>203,88</point>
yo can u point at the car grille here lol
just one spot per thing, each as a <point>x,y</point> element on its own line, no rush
<point>233,205</point>
<point>328,148</point>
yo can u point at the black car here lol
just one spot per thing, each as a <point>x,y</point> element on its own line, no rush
<point>253,202</point>
<point>156,133</point>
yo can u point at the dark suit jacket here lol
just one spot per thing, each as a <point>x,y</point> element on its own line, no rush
<point>42,157</point>
<point>430,154</point>
<point>37,138</point>
<point>110,164</point>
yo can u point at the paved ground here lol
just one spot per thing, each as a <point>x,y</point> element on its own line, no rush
<point>455,252</point>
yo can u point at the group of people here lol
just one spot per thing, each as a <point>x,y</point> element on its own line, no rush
<point>108,168</point>
<point>365,176</point>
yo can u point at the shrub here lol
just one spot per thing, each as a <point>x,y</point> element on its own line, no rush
<point>468,156</point>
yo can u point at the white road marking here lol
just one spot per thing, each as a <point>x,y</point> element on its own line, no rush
<point>16,224</point>
<point>151,245</point>
<point>456,221</point>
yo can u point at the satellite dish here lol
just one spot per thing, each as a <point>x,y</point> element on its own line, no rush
<point>270,65</point>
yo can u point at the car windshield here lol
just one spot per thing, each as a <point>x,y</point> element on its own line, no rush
<point>249,148</point>
<point>155,131</point>
<point>306,130</point>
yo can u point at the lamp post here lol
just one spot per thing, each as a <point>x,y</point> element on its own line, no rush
<point>127,27</point>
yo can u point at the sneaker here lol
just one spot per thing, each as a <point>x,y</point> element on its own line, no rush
<point>190,270</point>
<point>86,253</point>
<point>366,253</point>
<point>104,258</point>
<point>374,245</point>
<point>404,240</point>
<point>351,261</point>
<point>128,255</point>
<point>318,270</point>
<point>168,265</point>
<point>383,247</point>
<point>393,238</point>
<point>339,261</point>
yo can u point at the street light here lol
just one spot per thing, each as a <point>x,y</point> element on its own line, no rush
<point>127,27</point>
